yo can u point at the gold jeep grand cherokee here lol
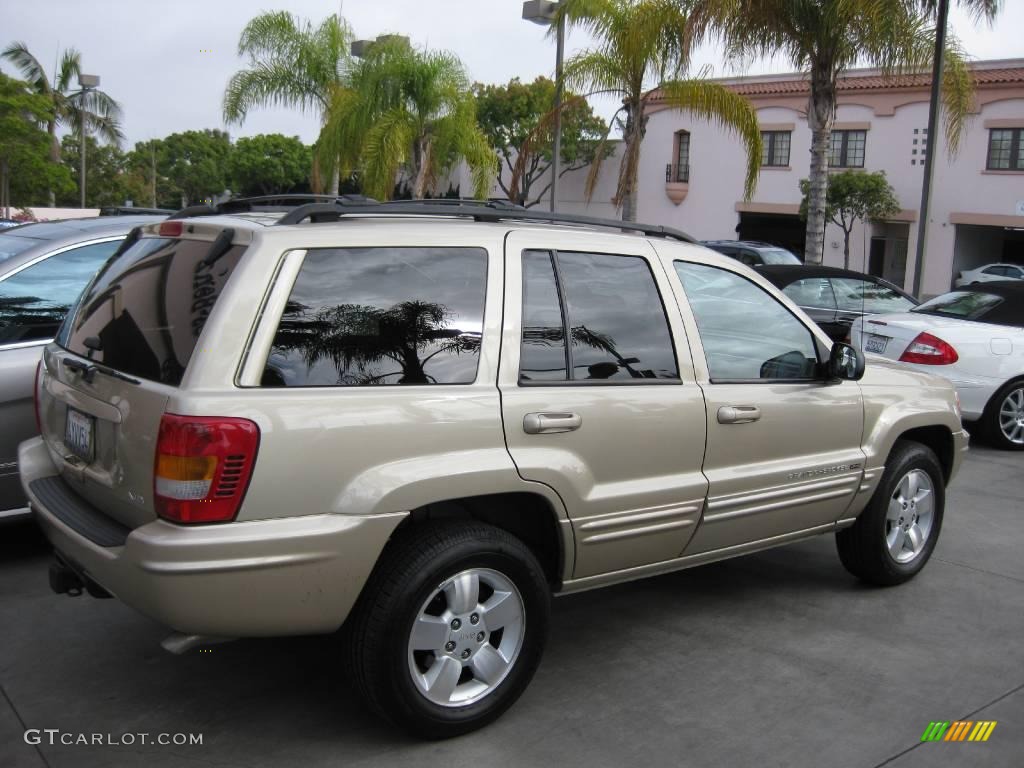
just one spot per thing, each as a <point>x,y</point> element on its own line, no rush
<point>416,423</point>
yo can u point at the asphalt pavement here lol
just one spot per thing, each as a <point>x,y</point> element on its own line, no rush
<point>774,659</point>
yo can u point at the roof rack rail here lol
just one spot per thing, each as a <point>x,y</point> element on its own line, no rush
<point>478,210</point>
<point>284,202</point>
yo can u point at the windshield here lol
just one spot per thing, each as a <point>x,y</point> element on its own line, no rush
<point>778,256</point>
<point>966,305</point>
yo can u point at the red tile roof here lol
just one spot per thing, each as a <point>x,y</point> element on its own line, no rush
<point>872,82</point>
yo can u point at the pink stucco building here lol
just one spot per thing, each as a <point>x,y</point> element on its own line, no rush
<point>691,172</point>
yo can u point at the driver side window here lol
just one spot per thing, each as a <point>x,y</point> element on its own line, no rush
<point>746,333</point>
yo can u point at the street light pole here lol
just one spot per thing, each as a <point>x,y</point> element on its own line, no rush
<point>86,82</point>
<point>941,18</point>
<point>546,12</point>
<point>556,158</point>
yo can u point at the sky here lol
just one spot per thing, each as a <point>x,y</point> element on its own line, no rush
<point>168,63</point>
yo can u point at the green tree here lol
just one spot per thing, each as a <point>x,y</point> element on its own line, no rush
<point>269,164</point>
<point>853,196</point>
<point>641,51</point>
<point>195,163</point>
<point>517,119</point>
<point>824,38</point>
<point>292,64</point>
<point>26,171</point>
<point>105,173</point>
<point>102,114</point>
<point>412,110</point>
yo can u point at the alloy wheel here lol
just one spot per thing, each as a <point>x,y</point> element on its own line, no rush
<point>1011,416</point>
<point>909,517</point>
<point>466,637</point>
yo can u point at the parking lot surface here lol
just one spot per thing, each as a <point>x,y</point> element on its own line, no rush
<point>774,659</point>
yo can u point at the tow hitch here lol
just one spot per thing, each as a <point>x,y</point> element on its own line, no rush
<point>66,580</point>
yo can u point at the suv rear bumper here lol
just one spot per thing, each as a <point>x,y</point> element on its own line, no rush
<point>286,576</point>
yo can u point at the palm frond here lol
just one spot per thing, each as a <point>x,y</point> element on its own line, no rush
<point>28,66</point>
<point>719,105</point>
<point>386,148</point>
<point>68,70</point>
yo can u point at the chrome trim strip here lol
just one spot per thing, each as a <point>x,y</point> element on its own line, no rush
<point>867,482</point>
<point>679,563</point>
<point>629,533</point>
<point>793,502</point>
<point>25,344</point>
<point>780,491</point>
<point>63,249</point>
<point>638,516</point>
<point>15,514</point>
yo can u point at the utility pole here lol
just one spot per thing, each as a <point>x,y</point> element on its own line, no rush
<point>152,156</point>
<point>942,16</point>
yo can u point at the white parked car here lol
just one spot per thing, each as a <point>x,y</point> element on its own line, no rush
<point>975,338</point>
<point>990,273</point>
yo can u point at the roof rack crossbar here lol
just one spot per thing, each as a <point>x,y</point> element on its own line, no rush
<point>477,210</point>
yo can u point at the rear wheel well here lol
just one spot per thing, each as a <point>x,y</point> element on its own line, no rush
<point>940,440</point>
<point>527,516</point>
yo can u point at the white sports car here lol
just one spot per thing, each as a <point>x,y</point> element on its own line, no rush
<point>990,273</point>
<point>975,338</point>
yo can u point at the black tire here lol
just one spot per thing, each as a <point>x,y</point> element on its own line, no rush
<point>409,572</point>
<point>863,548</point>
<point>990,426</point>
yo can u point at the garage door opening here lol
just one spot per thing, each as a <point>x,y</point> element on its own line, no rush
<point>783,230</point>
<point>978,245</point>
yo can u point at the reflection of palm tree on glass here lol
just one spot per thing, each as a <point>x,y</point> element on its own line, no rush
<point>360,336</point>
<point>584,337</point>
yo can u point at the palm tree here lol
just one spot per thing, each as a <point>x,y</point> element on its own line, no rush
<point>641,52</point>
<point>408,109</point>
<point>824,38</point>
<point>102,114</point>
<point>292,64</point>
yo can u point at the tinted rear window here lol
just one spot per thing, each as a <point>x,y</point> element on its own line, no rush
<point>147,307</point>
<point>381,316</point>
<point>966,305</point>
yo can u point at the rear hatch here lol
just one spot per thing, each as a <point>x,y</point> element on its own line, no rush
<point>121,353</point>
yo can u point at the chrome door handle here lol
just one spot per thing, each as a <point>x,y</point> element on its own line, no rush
<point>549,423</point>
<point>738,414</point>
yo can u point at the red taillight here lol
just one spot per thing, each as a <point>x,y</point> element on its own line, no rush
<point>929,350</point>
<point>202,467</point>
<point>35,399</point>
<point>170,229</point>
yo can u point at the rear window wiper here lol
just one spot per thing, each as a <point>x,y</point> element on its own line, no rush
<point>221,245</point>
<point>90,369</point>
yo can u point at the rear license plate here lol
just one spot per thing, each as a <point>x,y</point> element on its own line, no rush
<point>78,434</point>
<point>876,343</point>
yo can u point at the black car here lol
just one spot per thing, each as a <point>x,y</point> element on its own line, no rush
<point>835,297</point>
<point>753,253</point>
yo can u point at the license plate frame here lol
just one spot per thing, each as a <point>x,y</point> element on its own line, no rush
<point>79,434</point>
<point>875,343</point>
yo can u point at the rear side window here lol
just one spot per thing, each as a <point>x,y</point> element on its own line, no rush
<point>381,316</point>
<point>610,308</point>
<point>812,293</point>
<point>33,301</point>
<point>148,306</point>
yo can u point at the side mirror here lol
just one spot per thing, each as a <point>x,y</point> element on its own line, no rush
<point>845,362</point>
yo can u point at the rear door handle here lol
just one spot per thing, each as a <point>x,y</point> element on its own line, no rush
<point>549,423</point>
<point>738,414</point>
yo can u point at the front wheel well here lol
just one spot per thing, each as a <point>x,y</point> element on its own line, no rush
<point>527,516</point>
<point>940,440</point>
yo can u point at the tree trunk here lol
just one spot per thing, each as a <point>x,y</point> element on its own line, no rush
<point>421,156</point>
<point>820,115</point>
<point>633,137</point>
<point>846,249</point>
<point>335,179</point>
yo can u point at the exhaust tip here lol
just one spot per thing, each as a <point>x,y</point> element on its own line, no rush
<point>179,643</point>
